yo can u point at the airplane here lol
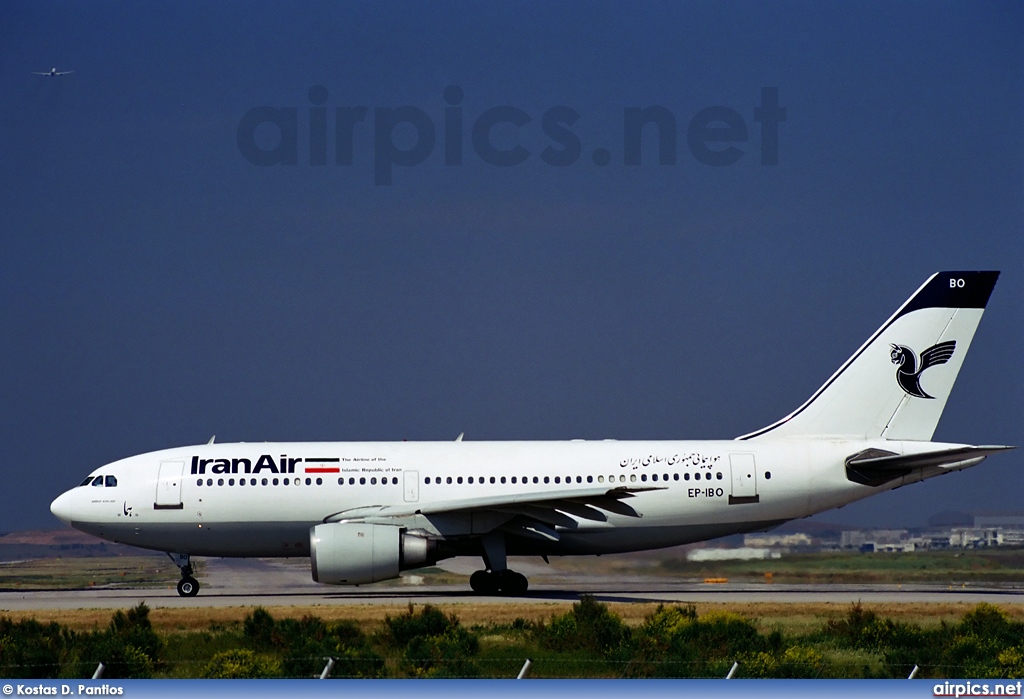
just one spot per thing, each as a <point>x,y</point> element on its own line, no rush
<point>365,511</point>
<point>53,73</point>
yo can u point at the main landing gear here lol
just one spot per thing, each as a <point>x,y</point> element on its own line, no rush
<point>187,586</point>
<point>490,582</point>
<point>497,577</point>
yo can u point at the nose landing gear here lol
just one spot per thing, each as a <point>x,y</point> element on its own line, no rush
<point>188,586</point>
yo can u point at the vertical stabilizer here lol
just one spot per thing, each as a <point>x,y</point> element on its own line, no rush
<point>896,385</point>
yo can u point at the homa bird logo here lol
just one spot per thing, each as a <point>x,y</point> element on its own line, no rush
<point>908,373</point>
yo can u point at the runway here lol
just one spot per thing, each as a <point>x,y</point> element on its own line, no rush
<point>273,583</point>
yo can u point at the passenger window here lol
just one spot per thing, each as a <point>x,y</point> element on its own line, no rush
<point>220,481</point>
<point>111,482</point>
<point>600,479</point>
<point>98,481</point>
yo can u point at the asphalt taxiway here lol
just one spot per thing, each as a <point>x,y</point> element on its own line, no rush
<point>272,583</point>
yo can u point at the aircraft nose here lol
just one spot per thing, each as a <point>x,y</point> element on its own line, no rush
<point>63,507</point>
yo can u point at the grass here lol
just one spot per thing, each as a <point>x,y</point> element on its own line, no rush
<point>79,573</point>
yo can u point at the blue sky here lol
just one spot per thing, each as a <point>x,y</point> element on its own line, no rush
<point>156,287</point>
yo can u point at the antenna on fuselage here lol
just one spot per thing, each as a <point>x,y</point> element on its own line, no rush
<point>212,439</point>
<point>461,435</point>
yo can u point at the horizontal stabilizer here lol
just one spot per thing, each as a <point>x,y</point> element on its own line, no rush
<point>877,466</point>
<point>897,462</point>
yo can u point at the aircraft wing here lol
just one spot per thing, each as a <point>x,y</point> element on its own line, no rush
<point>537,512</point>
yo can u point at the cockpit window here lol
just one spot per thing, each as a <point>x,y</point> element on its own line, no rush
<point>97,481</point>
<point>111,481</point>
<point>87,481</point>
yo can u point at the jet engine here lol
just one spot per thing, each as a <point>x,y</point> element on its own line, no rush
<point>346,553</point>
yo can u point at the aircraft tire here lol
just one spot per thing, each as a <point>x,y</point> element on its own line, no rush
<point>513,583</point>
<point>484,582</point>
<point>188,587</point>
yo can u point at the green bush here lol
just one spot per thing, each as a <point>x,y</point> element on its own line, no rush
<point>795,662</point>
<point>30,650</point>
<point>258,629</point>
<point>240,664</point>
<point>357,662</point>
<point>129,648</point>
<point>674,642</point>
<point>133,628</point>
<point>449,654</point>
<point>304,645</point>
<point>402,629</point>
<point>432,643</point>
<point>587,626</point>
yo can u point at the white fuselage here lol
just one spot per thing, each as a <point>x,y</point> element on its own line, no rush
<point>262,499</point>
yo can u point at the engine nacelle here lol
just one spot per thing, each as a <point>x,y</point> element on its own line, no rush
<point>346,553</point>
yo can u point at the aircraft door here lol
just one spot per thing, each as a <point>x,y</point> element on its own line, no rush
<point>744,479</point>
<point>168,486</point>
<point>411,485</point>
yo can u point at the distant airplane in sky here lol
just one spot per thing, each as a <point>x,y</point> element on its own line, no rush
<point>364,511</point>
<point>53,73</point>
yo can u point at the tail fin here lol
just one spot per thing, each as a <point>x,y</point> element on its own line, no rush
<point>896,385</point>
